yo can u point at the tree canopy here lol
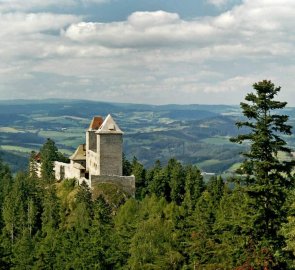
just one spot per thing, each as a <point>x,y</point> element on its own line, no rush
<point>268,176</point>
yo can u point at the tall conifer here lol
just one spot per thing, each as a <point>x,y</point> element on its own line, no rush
<point>269,177</point>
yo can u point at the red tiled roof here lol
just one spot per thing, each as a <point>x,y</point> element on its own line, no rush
<point>96,122</point>
<point>38,157</point>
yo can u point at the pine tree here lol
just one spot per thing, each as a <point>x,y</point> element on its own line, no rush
<point>176,180</point>
<point>140,182</point>
<point>23,252</point>
<point>5,186</point>
<point>51,211</point>
<point>127,167</point>
<point>33,165</point>
<point>215,187</point>
<point>194,186</point>
<point>268,176</point>
<point>49,154</point>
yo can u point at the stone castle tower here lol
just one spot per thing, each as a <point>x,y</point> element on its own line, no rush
<point>104,140</point>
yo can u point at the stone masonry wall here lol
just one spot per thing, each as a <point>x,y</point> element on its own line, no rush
<point>65,170</point>
<point>109,148</point>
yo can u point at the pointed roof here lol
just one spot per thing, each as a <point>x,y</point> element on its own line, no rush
<point>80,153</point>
<point>109,126</point>
<point>37,157</point>
<point>96,122</point>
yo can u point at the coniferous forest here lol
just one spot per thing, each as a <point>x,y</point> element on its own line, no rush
<point>176,220</point>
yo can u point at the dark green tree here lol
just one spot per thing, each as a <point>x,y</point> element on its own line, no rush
<point>268,177</point>
<point>84,208</point>
<point>51,211</point>
<point>33,164</point>
<point>176,176</point>
<point>127,168</point>
<point>200,244</point>
<point>23,252</point>
<point>215,187</point>
<point>140,181</point>
<point>49,154</point>
<point>5,186</point>
<point>194,186</point>
<point>160,184</point>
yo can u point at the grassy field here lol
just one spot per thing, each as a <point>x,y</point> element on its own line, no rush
<point>10,130</point>
<point>14,148</point>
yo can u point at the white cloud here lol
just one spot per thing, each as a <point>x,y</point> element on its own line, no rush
<point>143,29</point>
<point>13,24</point>
<point>156,57</point>
<point>249,25</point>
<point>144,20</point>
<point>217,2</point>
<point>94,1</point>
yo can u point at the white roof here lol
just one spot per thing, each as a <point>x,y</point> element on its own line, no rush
<point>109,126</point>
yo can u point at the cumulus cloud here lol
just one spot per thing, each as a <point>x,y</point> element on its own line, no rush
<point>25,23</point>
<point>250,24</point>
<point>142,29</point>
<point>150,19</point>
<point>151,56</point>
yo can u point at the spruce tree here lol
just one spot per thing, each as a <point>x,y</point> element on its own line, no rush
<point>176,176</point>
<point>49,154</point>
<point>194,186</point>
<point>139,172</point>
<point>268,177</point>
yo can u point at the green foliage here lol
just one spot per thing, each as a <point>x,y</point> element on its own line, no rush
<point>33,164</point>
<point>127,169</point>
<point>194,186</point>
<point>5,186</point>
<point>49,154</point>
<point>269,176</point>
<point>215,187</point>
<point>176,174</point>
<point>140,179</point>
<point>51,215</point>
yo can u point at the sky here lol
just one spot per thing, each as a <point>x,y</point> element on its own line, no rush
<point>146,51</point>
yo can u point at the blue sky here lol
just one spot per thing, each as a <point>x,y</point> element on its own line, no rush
<point>149,51</point>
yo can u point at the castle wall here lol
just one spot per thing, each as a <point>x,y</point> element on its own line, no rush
<point>109,148</point>
<point>93,162</point>
<point>126,183</point>
<point>91,145</point>
<point>65,171</point>
<point>91,140</point>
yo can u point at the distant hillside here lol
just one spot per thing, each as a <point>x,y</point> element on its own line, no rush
<point>196,134</point>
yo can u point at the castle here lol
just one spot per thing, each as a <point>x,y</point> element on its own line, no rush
<point>99,160</point>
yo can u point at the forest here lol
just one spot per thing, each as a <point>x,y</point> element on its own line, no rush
<point>176,220</point>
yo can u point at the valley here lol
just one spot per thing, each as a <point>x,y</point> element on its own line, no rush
<point>193,134</point>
